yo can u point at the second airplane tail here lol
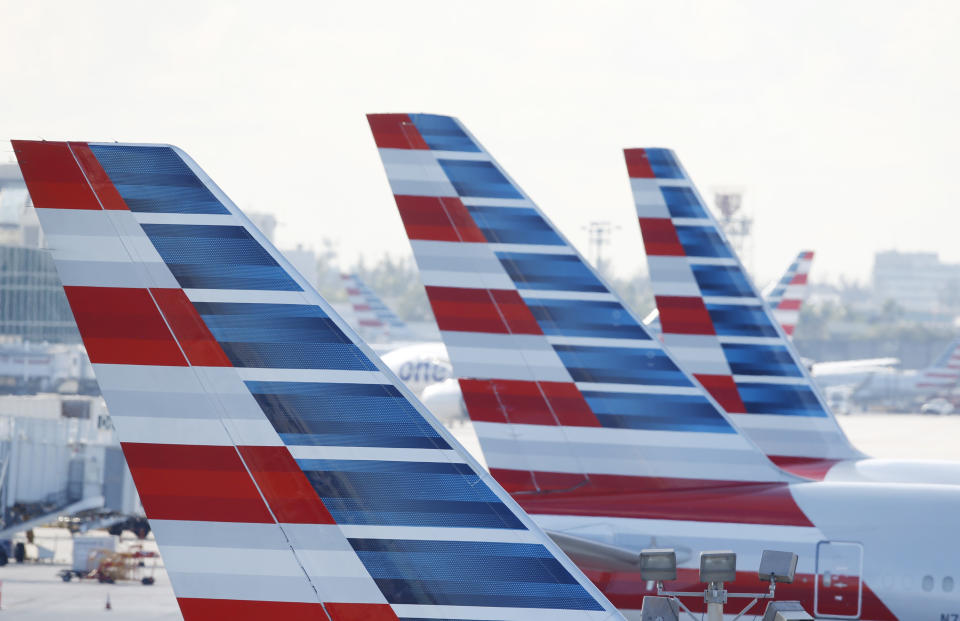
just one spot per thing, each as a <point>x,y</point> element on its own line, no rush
<point>717,324</point>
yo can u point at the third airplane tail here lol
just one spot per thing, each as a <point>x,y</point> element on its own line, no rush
<point>718,326</point>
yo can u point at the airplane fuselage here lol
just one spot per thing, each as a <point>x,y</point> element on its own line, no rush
<point>868,551</point>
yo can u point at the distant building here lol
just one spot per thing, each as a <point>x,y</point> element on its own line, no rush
<point>918,282</point>
<point>33,306</point>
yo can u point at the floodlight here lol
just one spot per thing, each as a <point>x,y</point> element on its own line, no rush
<point>718,566</point>
<point>777,566</point>
<point>786,611</point>
<point>659,609</point>
<point>658,564</point>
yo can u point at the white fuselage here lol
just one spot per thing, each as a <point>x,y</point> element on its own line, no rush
<point>872,551</point>
<point>420,365</point>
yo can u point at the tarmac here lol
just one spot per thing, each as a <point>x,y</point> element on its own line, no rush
<point>34,591</point>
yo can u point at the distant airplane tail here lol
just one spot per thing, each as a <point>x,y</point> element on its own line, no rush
<point>569,395</point>
<point>715,322</point>
<point>944,374</point>
<point>374,318</point>
<point>286,473</point>
<point>786,295</point>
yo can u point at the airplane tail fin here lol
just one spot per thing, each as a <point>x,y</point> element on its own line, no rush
<point>718,326</point>
<point>285,471</point>
<point>944,374</point>
<point>568,393</point>
<point>374,318</point>
<point>786,295</point>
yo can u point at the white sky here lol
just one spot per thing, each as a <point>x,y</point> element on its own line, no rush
<point>838,118</point>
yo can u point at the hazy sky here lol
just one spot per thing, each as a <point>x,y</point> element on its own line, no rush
<point>839,119</point>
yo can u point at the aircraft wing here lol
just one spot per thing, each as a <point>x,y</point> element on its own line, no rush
<point>844,367</point>
<point>286,472</point>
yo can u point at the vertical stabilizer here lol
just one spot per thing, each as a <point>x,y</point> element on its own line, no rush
<point>374,319</point>
<point>715,322</point>
<point>286,472</point>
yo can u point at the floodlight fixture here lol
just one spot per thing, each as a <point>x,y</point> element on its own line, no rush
<point>786,611</point>
<point>715,569</point>
<point>658,564</point>
<point>720,566</point>
<point>777,566</point>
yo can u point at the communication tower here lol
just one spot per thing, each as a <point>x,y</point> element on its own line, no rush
<point>599,232</point>
<point>737,226</point>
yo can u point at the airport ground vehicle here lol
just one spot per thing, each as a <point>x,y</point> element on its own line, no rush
<point>939,406</point>
<point>111,566</point>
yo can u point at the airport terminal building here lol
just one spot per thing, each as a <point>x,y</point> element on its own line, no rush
<point>33,306</point>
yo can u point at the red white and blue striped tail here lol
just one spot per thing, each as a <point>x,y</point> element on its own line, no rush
<point>943,375</point>
<point>785,297</point>
<point>286,472</point>
<point>715,322</point>
<point>566,390</point>
<point>375,320</point>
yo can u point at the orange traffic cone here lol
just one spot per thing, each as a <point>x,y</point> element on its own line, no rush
<point>108,607</point>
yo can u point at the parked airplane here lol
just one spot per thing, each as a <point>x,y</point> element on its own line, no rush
<point>850,373</point>
<point>597,431</point>
<point>286,472</point>
<point>716,324</point>
<point>938,380</point>
<point>375,321</point>
<point>786,296</point>
<point>420,364</point>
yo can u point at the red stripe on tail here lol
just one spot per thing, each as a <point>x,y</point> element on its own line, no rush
<point>53,176</point>
<point>481,310</point>
<point>527,403</point>
<point>286,488</point>
<point>192,333</point>
<point>437,219</point>
<point>660,237</point>
<point>638,166</point>
<point>684,315</point>
<point>671,499</point>
<point>814,468</point>
<point>197,609</point>
<point>194,482</point>
<point>123,326</point>
<point>395,131</point>
<point>99,180</point>
<point>724,390</point>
